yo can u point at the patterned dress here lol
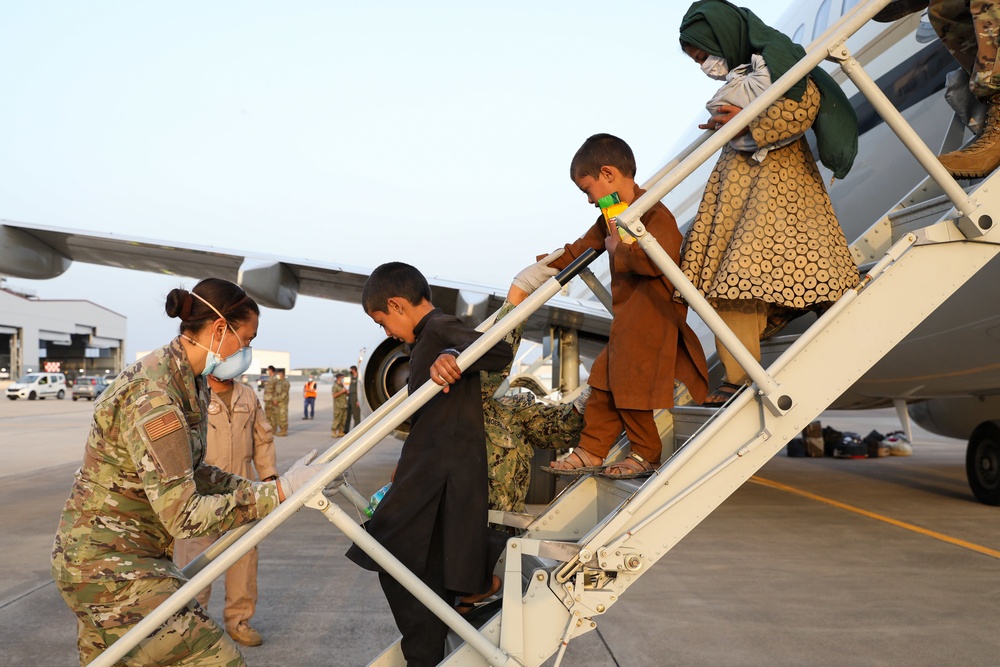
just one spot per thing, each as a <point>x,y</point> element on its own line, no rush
<point>767,230</point>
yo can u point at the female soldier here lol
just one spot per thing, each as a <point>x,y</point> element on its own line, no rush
<point>765,245</point>
<point>142,484</point>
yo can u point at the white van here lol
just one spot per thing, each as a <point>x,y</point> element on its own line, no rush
<point>38,385</point>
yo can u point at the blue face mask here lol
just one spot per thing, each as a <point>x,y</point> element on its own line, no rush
<point>232,366</point>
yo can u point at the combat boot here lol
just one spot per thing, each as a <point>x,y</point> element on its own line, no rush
<point>982,156</point>
<point>244,634</point>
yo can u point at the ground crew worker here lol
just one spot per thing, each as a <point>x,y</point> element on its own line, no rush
<point>279,400</point>
<point>239,440</point>
<point>339,406</point>
<point>143,483</point>
<point>309,394</point>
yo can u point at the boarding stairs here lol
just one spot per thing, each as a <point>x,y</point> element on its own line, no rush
<point>577,558</point>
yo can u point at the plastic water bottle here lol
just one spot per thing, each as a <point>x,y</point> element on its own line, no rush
<point>376,499</point>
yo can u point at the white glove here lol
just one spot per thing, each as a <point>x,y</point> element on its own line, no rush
<point>532,277</point>
<point>300,473</point>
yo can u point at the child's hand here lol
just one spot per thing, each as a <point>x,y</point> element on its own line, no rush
<point>445,371</point>
<point>723,115</point>
<point>612,240</point>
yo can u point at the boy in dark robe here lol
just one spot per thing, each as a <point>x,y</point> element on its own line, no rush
<point>434,517</point>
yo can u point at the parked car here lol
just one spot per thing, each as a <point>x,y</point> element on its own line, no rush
<point>262,380</point>
<point>89,386</point>
<point>38,385</point>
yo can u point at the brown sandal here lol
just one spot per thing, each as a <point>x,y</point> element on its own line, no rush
<point>584,467</point>
<point>722,393</point>
<point>633,465</point>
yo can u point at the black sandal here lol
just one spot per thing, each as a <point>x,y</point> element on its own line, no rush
<point>721,395</point>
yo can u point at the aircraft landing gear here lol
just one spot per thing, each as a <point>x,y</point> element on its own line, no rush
<point>982,463</point>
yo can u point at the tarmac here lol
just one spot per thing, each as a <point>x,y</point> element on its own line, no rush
<point>814,562</point>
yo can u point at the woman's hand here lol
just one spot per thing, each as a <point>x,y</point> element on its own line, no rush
<point>723,115</point>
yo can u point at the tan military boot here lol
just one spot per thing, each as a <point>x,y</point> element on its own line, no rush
<point>982,156</point>
<point>244,634</point>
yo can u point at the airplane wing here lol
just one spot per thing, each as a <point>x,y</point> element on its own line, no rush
<point>39,252</point>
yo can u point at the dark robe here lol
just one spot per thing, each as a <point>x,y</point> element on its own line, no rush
<point>651,343</point>
<point>441,474</point>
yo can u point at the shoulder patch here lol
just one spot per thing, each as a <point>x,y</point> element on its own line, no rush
<point>161,426</point>
<point>169,445</point>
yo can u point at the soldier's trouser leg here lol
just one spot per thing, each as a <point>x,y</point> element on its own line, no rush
<point>603,422</point>
<point>969,29</point>
<point>187,550</point>
<point>106,611</point>
<point>241,590</point>
<point>952,21</point>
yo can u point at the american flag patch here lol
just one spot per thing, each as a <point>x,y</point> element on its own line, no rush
<point>162,426</point>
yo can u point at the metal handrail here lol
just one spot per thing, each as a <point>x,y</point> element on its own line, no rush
<point>379,429</point>
<point>701,150</point>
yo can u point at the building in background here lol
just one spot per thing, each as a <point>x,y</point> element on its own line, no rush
<point>72,337</point>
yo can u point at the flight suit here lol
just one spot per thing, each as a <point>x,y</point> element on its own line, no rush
<point>142,484</point>
<point>239,440</point>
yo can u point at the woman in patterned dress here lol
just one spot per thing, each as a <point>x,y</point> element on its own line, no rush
<point>765,245</point>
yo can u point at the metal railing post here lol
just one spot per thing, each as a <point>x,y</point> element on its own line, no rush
<point>335,468</point>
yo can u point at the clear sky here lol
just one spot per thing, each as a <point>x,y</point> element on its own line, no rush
<point>355,133</point>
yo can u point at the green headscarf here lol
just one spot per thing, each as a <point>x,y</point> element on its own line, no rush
<point>735,33</point>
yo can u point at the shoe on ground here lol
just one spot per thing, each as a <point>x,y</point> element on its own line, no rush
<point>982,156</point>
<point>244,634</point>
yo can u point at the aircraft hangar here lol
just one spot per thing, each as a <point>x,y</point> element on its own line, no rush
<point>74,337</point>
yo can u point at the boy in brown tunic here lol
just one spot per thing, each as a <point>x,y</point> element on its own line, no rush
<point>650,345</point>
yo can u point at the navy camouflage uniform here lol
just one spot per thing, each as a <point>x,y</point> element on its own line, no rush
<point>142,484</point>
<point>515,426</point>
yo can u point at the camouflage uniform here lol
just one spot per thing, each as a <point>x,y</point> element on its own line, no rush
<point>270,407</point>
<point>142,483</point>
<point>339,408</point>
<point>515,425</point>
<point>280,401</point>
<point>970,29</point>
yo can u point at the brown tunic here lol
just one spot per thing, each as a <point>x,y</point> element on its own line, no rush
<point>650,343</point>
<point>768,231</point>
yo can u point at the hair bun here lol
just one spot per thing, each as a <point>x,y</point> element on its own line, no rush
<point>179,303</point>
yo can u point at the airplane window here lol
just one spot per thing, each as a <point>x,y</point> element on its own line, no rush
<point>822,19</point>
<point>849,5</point>
<point>799,32</point>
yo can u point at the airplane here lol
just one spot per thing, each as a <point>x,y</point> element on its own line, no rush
<point>943,375</point>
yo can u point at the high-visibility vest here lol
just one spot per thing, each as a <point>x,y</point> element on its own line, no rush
<point>310,390</point>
